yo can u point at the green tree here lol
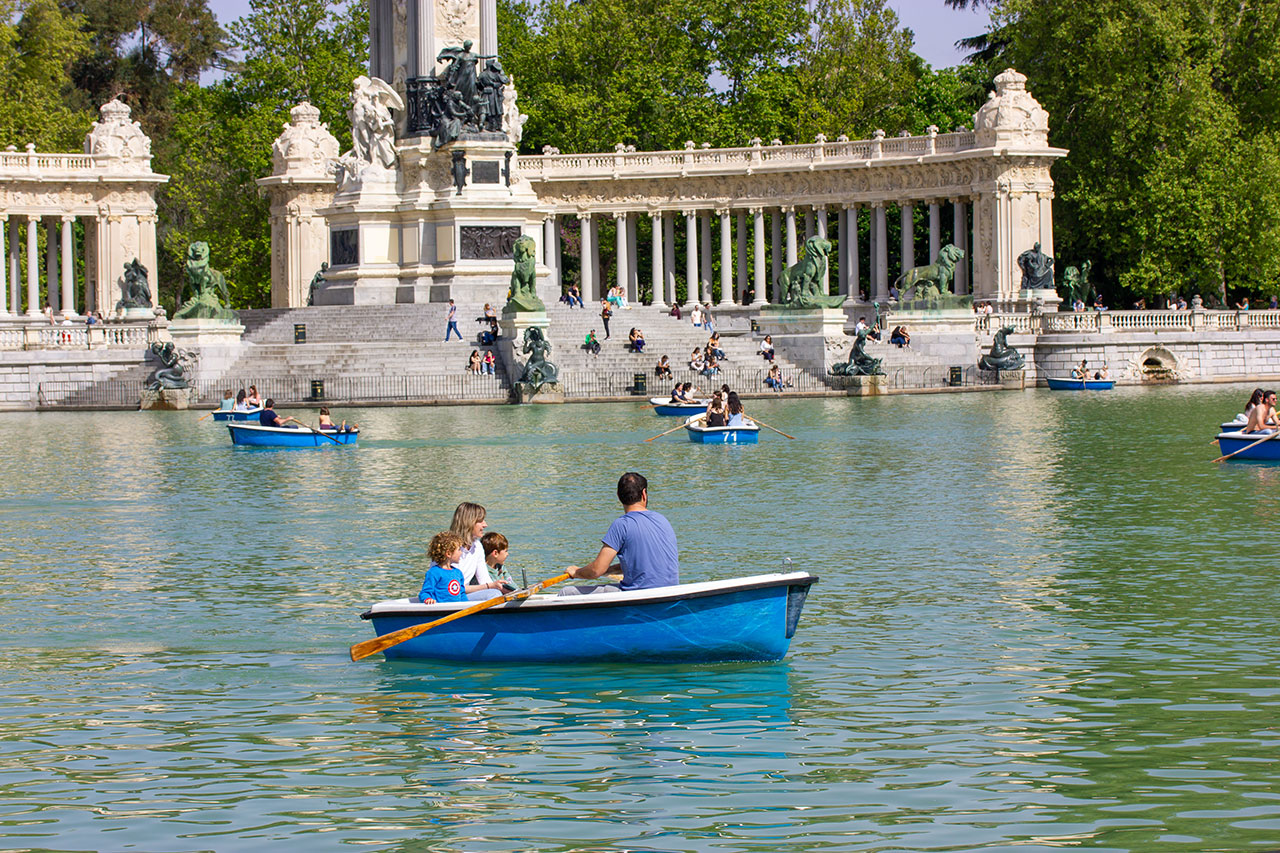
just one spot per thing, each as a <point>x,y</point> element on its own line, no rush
<point>293,51</point>
<point>39,42</point>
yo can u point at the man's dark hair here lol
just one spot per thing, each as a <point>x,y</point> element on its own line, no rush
<point>270,404</point>
<point>631,488</point>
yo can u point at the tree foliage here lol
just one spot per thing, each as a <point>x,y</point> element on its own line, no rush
<point>39,43</point>
<point>1169,110</point>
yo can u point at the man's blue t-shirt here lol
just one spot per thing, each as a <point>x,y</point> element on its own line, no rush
<point>647,551</point>
<point>443,585</point>
<point>269,418</point>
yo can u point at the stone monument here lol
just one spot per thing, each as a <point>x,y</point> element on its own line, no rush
<point>168,386</point>
<point>203,319</point>
<point>135,293</point>
<point>808,323</point>
<point>539,378</point>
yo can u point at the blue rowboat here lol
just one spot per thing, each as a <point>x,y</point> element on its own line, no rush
<point>749,619</point>
<point>256,435</point>
<point>1067,384</point>
<point>1230,442</point>
<point>699,433</point>
<point>664,406</point>
<point>237,416</point>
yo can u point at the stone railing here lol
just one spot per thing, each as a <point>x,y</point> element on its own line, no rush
<point>40,335</point>
<point>30,162</point>
<point>1088,322</point>
<point>692,160</point>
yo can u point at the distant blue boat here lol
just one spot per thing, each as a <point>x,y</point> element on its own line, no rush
<point>749,619</point>
<point>1068,384</point>
<point>1230,442</point>
<point>256,435</point>
<point>237,416</point>
<point>699,433</point>
<point>664,406</point>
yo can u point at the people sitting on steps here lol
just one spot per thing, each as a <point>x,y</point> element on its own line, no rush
<point>663,368</point>
<point>592,343</point>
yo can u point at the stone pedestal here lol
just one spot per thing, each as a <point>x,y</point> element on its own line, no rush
<point>523,392</point>
<point>168,399</point>
<point>813,338</point>
<point>1012,380</point>
<point>946,334</point>
<point>189,334</point>
<point>1039,299</point>
<point>512,327</point>
<point>860,386</point>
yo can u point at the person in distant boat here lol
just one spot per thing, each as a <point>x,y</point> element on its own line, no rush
<point>1254,399</point>
<point>469,524</point>
<point>642,540</point>
<point>242,402</point>
<point>254,401</point>
<point>269,418</point>
<point>228,401</point>
<point>717,415</point>
<point>326,422</point>
<point>737,415</point>
<point>442,581</point>
<point>1262,418</point>
<point>1102,374</point>
<point>1081,372</point>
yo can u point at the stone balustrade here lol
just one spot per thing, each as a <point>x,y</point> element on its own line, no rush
<point>1088,322</point>
<point>40,335</point>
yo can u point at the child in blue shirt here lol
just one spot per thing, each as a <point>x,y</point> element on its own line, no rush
<point>442,581</point>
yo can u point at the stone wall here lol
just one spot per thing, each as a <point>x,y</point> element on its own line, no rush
<point>31,379</point>
<point>1205,356</point>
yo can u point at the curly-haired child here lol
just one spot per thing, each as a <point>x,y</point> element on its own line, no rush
<point>443,582</point>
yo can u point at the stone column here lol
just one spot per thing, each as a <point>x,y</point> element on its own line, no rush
<point>691,255</point>
<point>775,254</point>
<point>633,259</point>
<point>851,256</point>
<point>726,257</point>
<point>620,250</point>
<point>820,217</point>
<point>597,274</point>
<point>741,225</point>
<point>549,256</point>
<point>488,27</point>
<point>669,256</point>
<point>881,247</point>
<point>4,268</point>
<point>15,268</point>
<point>658,278</point>
<point>584,260</point>
<point>757,225</point>
<point>69,268</point>
<point>33,266</point>
<point>961,229</point>
<point>842,237</point>
<point>908,236</point>
<point>808,223</point>
<point>426,35</point>
<point>51,264</point>
<point>704,274</point>
<point>792,253</point>
<point>935,231</point>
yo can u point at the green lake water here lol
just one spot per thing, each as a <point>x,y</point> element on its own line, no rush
<point>1044,620</point>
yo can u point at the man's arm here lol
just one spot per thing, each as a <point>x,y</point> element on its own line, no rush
<point>597,567</point>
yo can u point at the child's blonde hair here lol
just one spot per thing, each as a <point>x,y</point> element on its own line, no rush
<point>442,546</point>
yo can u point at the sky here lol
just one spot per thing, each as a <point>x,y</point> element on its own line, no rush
<point>936,26</point>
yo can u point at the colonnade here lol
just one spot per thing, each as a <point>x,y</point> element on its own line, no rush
<point>59,266</point>
<point>770,254</point>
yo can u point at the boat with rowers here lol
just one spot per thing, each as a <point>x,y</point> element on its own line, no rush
<point>232,415</point>
<point>667,407</point>
<point>747,619</point>
<point>1066,383</point>
<point>1249,446</point>
<point>257,435</point>
<point>747,432</point>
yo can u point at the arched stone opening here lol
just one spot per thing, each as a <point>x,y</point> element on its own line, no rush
<point>1158,365</point>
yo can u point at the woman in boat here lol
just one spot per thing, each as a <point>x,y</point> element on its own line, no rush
<point>766,348</point>
<point>717,415</point>
<point>474,362</point>
<point>469,525</point>
<point>228,401</point>
<point>253,400</point>
<point>737,415</point>
<point>242,403</point>
<point>663,370</point>
<point>1254,399</point>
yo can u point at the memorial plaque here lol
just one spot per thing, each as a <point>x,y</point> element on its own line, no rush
<point>344,248</point>
<point>488,242</point>
<point>486,172</point>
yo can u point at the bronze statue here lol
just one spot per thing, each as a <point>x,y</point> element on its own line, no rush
<point>1076,283</point>
<point>934,280</point>
<point>802,283</point>
<point>1002,356</point>
<point>207,285</point>
<point>135,292</point>
<point>1037,269</point>
<point>491,81</point>
<point>317,282</point>
<point>859,363</point>
<point>537,370</point>
<point>170,374</point>
<point>524,295</point>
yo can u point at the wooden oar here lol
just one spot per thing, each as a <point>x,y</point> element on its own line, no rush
<point>673,429</point>
<point>1247,446</point>
<point>322,432</point>
<point>202,417</point>
<point>395,638</point>
<point>763,424</point>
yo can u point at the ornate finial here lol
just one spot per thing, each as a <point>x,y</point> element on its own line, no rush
<point>114,111</point>
<point>305,115</point>
<point>1010,80</point>
<point>306,148</point>
<point>1011,116</point>
<point>119,141</point>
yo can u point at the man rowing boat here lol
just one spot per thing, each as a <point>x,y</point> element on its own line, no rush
<point>642,540</point>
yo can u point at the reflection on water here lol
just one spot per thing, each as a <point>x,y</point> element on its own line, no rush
<point>1044,620</point>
